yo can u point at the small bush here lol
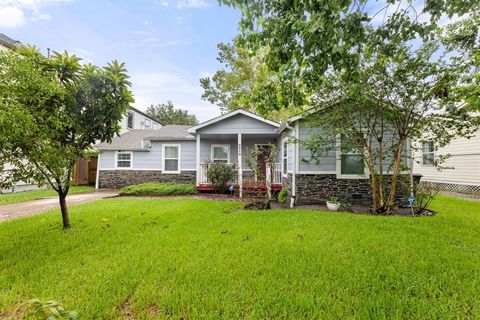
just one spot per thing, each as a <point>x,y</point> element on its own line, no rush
<point>283,196</point>
<point>159,188</point>
<point>220,174</point>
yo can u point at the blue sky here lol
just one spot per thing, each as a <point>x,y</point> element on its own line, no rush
<point>166,45</point>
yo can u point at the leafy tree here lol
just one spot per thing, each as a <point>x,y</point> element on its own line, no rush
<point>380,71</point>
<point>244,77</point>
<point>52,110</point>
<point>166,114</point>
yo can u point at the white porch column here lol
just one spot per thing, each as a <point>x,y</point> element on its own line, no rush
<point>240,171</point>
<point>198,159</point>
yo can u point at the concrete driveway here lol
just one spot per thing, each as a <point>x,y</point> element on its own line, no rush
<point>28,208</point>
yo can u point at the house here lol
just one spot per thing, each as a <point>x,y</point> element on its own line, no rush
<point>460,169</point>
<point>7,43</point>
<point>136,119</point>
<point>183,153</point>
<point>85,172</point>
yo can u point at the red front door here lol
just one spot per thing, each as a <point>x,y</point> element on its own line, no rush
<point>261,160</point>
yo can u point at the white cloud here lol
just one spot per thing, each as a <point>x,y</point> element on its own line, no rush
<point>163,3</point>
<point>150,40</point>
<point>186,4</point>
<point>13,12</point>
<point>11,17</point>
<point>176,85</point>
<point>86,55</point>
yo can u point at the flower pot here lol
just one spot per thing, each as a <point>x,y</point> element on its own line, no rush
<point>333,206</point>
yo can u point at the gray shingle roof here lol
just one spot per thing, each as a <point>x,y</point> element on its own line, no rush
<point>133,139</point>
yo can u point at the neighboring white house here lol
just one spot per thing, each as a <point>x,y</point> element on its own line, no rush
<point>7,43</point>
<point>136,119</point>
<point>462,167</point>
<point>185,153</point>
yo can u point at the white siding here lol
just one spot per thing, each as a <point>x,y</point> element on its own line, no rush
<point>464,159</point>
<point>138,121</point>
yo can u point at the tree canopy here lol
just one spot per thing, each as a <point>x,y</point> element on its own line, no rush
<point>52,110</point>
<point>376,69</point>
<point>166,114</point>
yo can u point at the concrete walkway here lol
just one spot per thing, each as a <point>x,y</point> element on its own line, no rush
<point>28,208</point>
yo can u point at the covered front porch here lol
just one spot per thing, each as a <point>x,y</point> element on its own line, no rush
<point>233,150</point>
<point>230,139</point>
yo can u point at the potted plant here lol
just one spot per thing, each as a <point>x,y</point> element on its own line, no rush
<point>334,204</point>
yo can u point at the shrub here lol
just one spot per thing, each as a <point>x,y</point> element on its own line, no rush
<point>219,174</point>
<point>159,188</point>
<point>283,196</point>
<point>424,194</point>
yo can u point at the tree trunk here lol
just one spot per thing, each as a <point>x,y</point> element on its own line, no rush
<point>64,209</point>
<point>395,172</point>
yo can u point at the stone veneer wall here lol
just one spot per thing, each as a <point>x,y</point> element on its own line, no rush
<point>116,179</point>
<point>317,188</point>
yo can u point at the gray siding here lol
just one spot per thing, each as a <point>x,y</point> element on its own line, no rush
<point>107,160</point>
<point>238,124</point>
<point>326,163</point>
<point>153,159</point>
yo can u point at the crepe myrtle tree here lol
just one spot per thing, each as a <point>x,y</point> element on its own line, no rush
<point>52,110</point>
<point>400,96</point>
<point>380,59</point>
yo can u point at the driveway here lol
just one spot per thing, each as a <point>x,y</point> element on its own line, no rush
<point>28,208</point>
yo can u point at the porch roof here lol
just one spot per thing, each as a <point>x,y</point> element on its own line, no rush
<point>273,124</point>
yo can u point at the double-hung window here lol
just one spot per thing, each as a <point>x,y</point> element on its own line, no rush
<point>351,158</point>
<point>284,157</point>
<point>428,153</point>
<point>171,158</point>
<point>221,153</point>
<point>130,120</point>
<point>124,159</point>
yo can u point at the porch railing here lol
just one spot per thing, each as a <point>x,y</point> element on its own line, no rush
<point>274,175</point>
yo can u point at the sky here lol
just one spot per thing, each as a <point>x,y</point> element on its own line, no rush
<point>167,45</point>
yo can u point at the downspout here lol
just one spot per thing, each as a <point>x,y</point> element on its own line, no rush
<point>294,185</point>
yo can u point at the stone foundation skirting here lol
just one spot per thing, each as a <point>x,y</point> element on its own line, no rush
<point>117,179</point>
<point>318,188</point>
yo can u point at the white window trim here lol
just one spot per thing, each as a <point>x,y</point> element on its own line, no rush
<point>116,160</point>
<point>133,120</point>
<point>433,152</point>
<point>284,156</point>
<point>179,158</point>
<point>365,174</point>
<point>223,146</point>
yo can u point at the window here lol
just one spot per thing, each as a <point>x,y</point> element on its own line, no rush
<point>148,124</point>
<point>130,120</point>
<point>171,158</point>
<point>428,153</point>
<point>351,159</point>
<point>124,159</point>
<point>284,158</point>
<point>221,153</point>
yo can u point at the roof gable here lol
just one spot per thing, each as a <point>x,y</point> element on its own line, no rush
<point>238,119</point>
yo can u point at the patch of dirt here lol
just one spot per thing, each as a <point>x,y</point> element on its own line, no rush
<point>125,308</point>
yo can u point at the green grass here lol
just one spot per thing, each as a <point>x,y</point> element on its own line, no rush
<point>192,258</point>
<point>159,189</point>
<point>37,194</point>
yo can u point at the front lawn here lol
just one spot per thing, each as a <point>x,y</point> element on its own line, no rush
<point>192,258</point>
<point>23,196</point>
